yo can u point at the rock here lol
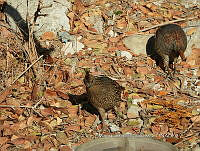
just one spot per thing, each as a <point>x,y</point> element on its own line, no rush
<point>55,15</point>
<point>53,149</point>
<point>193,40</point>
<point>190,3</point>
<point>197,148</point>
<point>126,54</point>
<point>136,122</point>
<point>72,47</point>
<point>113,127</point>
<point>157,87</point>
<point>137,43</point>
<point>97,21</point>
<point>66,37</point>
<point>112,33</point>
<point>136,101</point>
<point>133,111</point>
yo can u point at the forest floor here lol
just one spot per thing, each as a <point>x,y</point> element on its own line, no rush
<point>40,107</point>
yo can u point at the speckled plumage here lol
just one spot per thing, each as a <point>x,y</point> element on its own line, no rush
<point>170,43</point>
<point>103,93</point>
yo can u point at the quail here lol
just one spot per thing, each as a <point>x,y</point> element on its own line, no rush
<point>170,43</point>
<point>103,93</point>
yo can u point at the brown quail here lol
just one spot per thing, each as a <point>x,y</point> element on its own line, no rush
<point>103,93</point>
<point>170,43</point>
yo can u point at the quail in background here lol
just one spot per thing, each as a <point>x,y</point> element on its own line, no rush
<point>103,93</point>
<point>170,43</point>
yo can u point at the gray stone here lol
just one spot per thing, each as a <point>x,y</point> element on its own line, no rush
<point>197,148</point>
<point>136,122</point>
<point>133,111</point>
<point>136,101</point>
<point>157,87</point>
<point>66,37</point>
<point>113,127</point>
<point>53,149</point>
<point>72,46</point>
<point>137,43</point>
<point>97,21</point>
<point>54,15</point>
<point>193,40</point>
<point>126,54</point>
<point>190,3</point>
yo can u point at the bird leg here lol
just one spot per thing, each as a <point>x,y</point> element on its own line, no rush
<point>181,53</point>
<point>103,116</point>
<point>119,116</point>
<point>174,67</point>
<point>166,64</point>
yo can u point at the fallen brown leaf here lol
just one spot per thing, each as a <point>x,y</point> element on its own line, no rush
<point>195,119</point>
<point>6,92</point>
<point>143,9</point>
<point>47,112</point>
<point>156,129</point>
<point>164,129</point>
<point>89,121</point>
<point>50,94</point>
<point>62,138</point>
<point>114,39</point>
<point>62,95</point>
<point>125,130</point>
<point>191,31</point>
<point>48,36</point>
<point>3,140</point>
<point>65,148</point>
<point>128,71</point>
<point>142,70</point>
<point>75,128</point>
<point>73,111</point>
<point>121,24</point>
<point>162,93</point>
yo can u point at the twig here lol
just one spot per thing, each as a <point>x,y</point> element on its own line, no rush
<point>187,131</point>
<point>35,106</point>
<point>21,106</point>
<point>11,30</point>
<point>27,69</point>
<point>191,125</point>
<point>24,106</point>
<point>168,22</point>
<point>185,139</point>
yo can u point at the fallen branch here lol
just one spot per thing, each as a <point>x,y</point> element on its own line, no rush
<point>21,106</point>
<point>27,69</point>
<point>7,91</point>
<point>12,106</point>
<point>24,106</point>
<point>168,22</point>
<point>195,121</point>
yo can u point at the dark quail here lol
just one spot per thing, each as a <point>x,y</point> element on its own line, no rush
<point>170,43</point>
<point>103,93</point>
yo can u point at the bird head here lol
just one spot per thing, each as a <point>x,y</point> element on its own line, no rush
<point>89,79</point>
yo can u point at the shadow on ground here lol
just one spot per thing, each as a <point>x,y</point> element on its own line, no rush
<point>150,50</point>
<point>83,100</point>
<point>24,28</point>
